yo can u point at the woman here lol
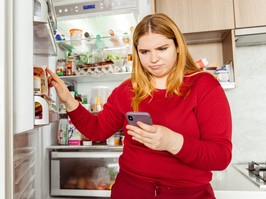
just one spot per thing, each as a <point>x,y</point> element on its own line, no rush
<point>191,131</point>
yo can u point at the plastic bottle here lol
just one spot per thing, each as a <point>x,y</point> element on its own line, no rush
<point>71,90</point>
<point>78,96</point>
<point>99,43</point>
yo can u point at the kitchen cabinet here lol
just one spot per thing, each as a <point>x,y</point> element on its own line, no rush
<point>198,15</point>
<point>208,27</point>
<point>249,13</point>
<point>217,47</point>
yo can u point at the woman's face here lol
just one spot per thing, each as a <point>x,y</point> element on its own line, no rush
<point>157,54</point>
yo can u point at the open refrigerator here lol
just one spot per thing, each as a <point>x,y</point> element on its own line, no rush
<point>41,37</point>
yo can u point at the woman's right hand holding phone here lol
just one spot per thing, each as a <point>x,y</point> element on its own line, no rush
<point>62,91</point>
<point>156,137</point>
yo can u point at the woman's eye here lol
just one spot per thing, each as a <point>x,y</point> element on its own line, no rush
<point>163,49</point>
<point>143,52</point>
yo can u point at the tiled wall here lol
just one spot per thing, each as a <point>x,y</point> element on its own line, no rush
<point>248,105</point>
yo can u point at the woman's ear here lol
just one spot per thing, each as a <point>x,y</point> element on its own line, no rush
<point>177,50</point>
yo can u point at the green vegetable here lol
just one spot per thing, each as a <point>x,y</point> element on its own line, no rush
<point>82,58</point>
<point>113,57</point>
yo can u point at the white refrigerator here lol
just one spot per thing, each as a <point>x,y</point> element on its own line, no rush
<point>32,43</point>
<point>24,158</point>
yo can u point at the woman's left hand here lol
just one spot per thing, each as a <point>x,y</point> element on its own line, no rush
<point>156,137</point>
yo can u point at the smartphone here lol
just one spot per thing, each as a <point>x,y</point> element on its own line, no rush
<point>134,117</point>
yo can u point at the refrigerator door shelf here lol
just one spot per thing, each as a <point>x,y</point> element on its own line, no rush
<point>40,11</point>
<point>45,25</point>
<point>44,119</point>
<point>47,116</point>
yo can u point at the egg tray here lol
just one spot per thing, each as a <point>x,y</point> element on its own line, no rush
<point>100,70</point>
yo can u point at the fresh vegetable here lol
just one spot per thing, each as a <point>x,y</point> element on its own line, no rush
<point>82,58</point>
<point>111,57</point>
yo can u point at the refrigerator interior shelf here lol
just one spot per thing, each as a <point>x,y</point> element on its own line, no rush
<point>44,96</point>
<point>85,154</point>
<point>91,193</point>
<point>97,77</point>
<point>97,147</point>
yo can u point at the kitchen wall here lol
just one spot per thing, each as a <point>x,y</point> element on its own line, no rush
<point>248,105</point>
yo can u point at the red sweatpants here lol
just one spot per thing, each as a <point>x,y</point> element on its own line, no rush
<point>128,187</point>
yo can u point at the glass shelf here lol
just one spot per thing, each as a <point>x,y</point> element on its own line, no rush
<point>111,77</point>
<point>108,77</point>
<point>106,43</point>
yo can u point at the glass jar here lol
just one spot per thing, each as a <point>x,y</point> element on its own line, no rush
<point>70,66</point>
<point>60,67</point>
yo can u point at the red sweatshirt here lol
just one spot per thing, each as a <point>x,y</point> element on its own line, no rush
<point>203,117</point>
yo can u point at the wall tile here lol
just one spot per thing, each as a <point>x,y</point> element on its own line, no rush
<point>248,105</point>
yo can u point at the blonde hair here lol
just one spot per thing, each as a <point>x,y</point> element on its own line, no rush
<point>142,81</point>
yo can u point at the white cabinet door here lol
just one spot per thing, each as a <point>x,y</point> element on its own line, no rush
<point>23,100</point>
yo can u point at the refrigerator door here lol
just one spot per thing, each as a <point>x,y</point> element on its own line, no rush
<point>23,66</point>
<point>33,35</point>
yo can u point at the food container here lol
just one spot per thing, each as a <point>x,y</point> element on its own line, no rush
<point>99,97</point>
<point>62,134</point>
<point>222,75</point>
<point>202,63</point>
<point>75,34</point>
<point>70,66</point>
<point>61,67</point>
<point>113,140</point>
<point>87,142</point>
<point>40,81</point>
<point>37,85</point>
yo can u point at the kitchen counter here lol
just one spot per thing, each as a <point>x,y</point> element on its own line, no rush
<point>231,184</point>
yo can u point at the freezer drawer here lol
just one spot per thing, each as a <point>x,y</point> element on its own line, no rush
<point>83,173</point>
<point>24,173</point>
